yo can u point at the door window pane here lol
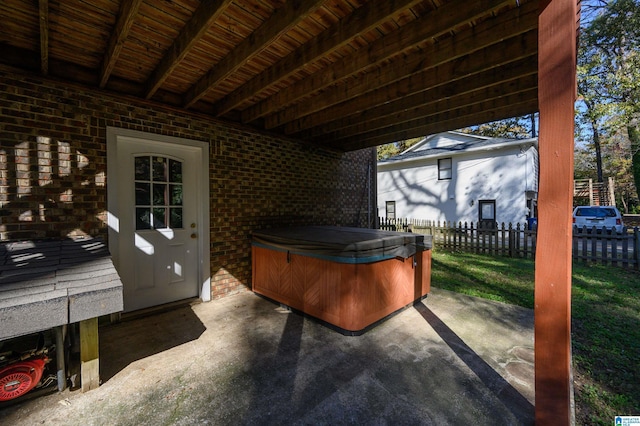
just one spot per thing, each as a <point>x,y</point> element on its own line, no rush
<point>175,171</point>
<point>175,221</point>
<point>159,169</point>
<point>160,194</point>
<point>142,168</point>
<point>143,218</point>
<point>487,211</point>
<point>159,217</point>
<point>143,194</point>
<point>176,195</point>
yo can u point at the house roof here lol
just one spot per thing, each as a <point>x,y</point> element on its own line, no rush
<point>449,144</point>
<point>345,74</point>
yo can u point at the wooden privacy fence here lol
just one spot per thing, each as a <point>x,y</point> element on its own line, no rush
<point>618,249</point>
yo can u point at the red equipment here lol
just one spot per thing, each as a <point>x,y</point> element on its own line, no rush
<point>19,378</point>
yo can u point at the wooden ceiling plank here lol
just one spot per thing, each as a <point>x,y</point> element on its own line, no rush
<point>427,103</point>
<point>282,20</point>
<point>43,14</point>
<point>356,105</point>
<point>346,115</point>
<point>440,124</point>
<point>336,36</point>
<point>468,61</point>
<point>498,94</point>
<point>126,16</point>
<point>428,26</point>
<point>206,14</point>
<point>465,110</point>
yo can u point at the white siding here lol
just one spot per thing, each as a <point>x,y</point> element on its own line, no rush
<point>502,175</point>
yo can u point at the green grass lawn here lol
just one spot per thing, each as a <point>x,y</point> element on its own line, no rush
<point>605,323</point>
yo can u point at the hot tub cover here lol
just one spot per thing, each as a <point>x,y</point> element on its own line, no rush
<point>343,244</point>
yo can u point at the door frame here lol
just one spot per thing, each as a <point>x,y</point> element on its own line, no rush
<point>116,136</point>
<point>487,223</point>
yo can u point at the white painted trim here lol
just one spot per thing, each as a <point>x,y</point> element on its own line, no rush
<point>114,135</point>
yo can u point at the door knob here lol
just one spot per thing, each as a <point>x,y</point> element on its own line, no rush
<point>194,235</point>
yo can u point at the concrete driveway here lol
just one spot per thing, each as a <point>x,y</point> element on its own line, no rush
<point>243,360</point>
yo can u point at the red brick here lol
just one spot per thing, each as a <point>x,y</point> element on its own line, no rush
<point>256,180</point>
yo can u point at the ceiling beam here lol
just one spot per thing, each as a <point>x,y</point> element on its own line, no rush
<point>43,15</point>
<point>501,93</point>
<point>282,20</point>
<point>348,118</point>
<point>466,110</point>
<point>461,44</point>
<point>388,84</point>
<point>126,16</point>
<point>439,99</point>
<point>431,25</point>
<point>206,14</point>
<point>451,120</point>
<point>333,38</point>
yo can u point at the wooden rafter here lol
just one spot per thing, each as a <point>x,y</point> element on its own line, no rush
<point>449,121</point>
<point>426,104</point>
<point>518,72</point>
<point>336,36</point>
<point>482,112</point>
<point>126,16</point>
<point>435,72</point>
<point>43,14</point>
<point>392,81</point>
<point>281,21</point>
<point>202,19</point>
<point>430,25</point>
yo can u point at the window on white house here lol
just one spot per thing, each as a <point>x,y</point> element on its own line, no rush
<point>391,209</point>
<point>444,168</point>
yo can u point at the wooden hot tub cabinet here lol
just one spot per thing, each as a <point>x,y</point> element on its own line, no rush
<point>348,277</point>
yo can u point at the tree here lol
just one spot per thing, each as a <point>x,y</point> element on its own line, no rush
<point>609,78</point>
<point>514,128</point>
<point>392,149</point>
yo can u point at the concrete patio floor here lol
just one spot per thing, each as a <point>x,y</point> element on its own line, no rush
<point>243,360</point>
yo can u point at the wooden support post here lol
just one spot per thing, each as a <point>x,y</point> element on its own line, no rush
<point>61,371</point>
<point>557,32</point>
<point>89,359</point>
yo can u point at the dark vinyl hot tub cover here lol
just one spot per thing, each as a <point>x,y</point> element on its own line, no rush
<point>343,244</point>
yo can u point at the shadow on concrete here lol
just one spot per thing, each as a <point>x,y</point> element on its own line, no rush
<point>128,341</point>
<point>521,408</point>
<point>243,360</point>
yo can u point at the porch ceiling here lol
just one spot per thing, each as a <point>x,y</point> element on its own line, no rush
<point>347,74</point>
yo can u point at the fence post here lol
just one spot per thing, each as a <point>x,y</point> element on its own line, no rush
<point>636,247</point>
<point>512,240</point>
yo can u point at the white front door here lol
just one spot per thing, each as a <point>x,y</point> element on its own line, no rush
<point>156,220</point>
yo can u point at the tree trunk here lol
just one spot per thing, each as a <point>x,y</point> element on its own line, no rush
<point>596,145</point>
<point>634,138</point>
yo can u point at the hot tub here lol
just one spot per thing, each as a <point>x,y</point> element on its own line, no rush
<point>350,278</point>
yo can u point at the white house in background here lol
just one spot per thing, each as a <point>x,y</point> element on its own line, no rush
<point>459,177</point>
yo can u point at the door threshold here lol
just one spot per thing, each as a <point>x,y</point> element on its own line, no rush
<point>154,310</point>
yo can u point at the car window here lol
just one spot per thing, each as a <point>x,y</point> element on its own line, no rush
<point>596,212</point>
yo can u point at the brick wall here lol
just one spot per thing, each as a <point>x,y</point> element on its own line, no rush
<point>53,171</point>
